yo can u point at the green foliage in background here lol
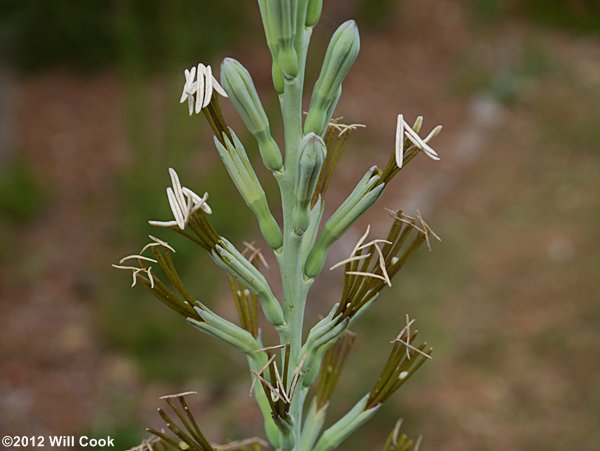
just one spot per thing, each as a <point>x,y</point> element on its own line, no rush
<point>578,15</point>
<point>574,15</point>
<point>22,197</point>
<point>93,33</point>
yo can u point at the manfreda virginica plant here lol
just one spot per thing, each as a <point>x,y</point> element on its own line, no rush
<point>283,373</point>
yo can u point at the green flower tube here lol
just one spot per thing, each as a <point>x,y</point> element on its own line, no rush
<point>231,260</point>
<point>284,17</point>
<point>359,201</point>
<point>342,52</point>
<point>277,73</point>
<point>241,172</point>
<point>354,419</point>
<point>313,12</point>
<point>312,152</point>
<point>241,91</point>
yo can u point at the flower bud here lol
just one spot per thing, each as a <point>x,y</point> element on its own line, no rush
<point>312,153</point>
<point>342,52</point>
<point>284,17</point>
<point>359,201</point>
<point>216,326</point>
<point>315,419</point>
<point>231,260</point>
<point>313,12</point>
<point>349,423</point>
<point>268,25</point>
<point>278,80</point>
<point>242,93</point>
<point>241,172</point>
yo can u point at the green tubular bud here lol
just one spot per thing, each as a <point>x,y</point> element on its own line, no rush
<point>271,37</point>
<point>241,172</point>
<point>349,423</point>
<point>278,80</point>
<point>359,201</point>
<point>284,17</point>
<point>242,93</point>
<point>269,228</point>
<point>246,341</point>
<point>269,150</point>
<point>342,52</point>
<point>226,331</point>
<point>321,346</point>
<point>233,262</point>
<point>268,25</point>
<point>311,233</point>
<point>313,12</point>
<point>315,419</point>
<point>319,116</point>
<point>312,153</point>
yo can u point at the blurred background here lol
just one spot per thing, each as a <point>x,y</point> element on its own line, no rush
<point>90,122</point>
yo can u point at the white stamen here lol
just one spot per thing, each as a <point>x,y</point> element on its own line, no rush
<point>361,240</point>
<point>177,188</point>
<point>167,224</point>
<point>403,375</point>
<point>400,141</point>
<point>255,252</point>
<point>198,202</point>
<point>366,274</point>
<point>396,432</point>
<point>135,272</point>
<point>416,139</point>
<point>258,375</point>
<point>382,266</point>
<point>148,271</point>
<point>404,130</point>
<point>137,257</point>
<point>217,87</point>
<point>418,124</point>
<point>157,242</point>
<point>343,128</point>
<point>271,348</point>
<point>208,86</point>
<point>179,395</point>
<point>175,208</point>
<point>372,243</point>
<point>349,260</point>
<point>436,131</point>
<point>183,202</point>
<point>189,89</point>
<point>199,87</point>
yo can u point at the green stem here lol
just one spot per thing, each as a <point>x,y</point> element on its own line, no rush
<point>295,288</point>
